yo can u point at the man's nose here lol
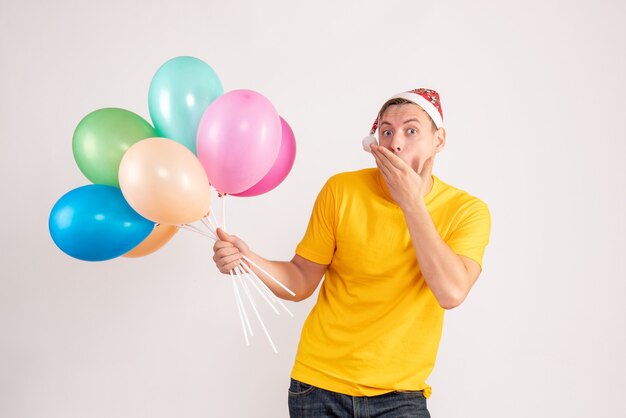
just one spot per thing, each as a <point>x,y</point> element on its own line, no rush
<point>397,143</point>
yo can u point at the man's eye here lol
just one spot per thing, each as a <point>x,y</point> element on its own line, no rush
<point>412,131</point>
<point>386,133</point>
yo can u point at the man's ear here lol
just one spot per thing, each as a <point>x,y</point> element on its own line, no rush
<point>440,139</point>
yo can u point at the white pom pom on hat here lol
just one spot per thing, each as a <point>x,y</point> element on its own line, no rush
<point>427,99</point>
<point>367,141</point>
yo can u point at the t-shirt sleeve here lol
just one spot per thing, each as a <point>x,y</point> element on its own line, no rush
<point>471,235</point>
<point>318,244</point>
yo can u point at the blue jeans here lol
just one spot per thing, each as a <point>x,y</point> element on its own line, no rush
<point>306,401</point>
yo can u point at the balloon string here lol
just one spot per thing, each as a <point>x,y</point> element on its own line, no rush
<point>244,285</point>
<point>209,223</point>
<point>243,316</point>
<point>196,229</point>
<point>263,295</point>
<point>208,226</point>
<point>267,289</point>
<point>268,275</point>
<point>192,228</point>
<point>242,305</point>
<point>224,212</point>
<point>258,316</point>
<point>214,223</point>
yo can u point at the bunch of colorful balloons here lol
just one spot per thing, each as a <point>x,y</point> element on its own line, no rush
<point>149,181</point>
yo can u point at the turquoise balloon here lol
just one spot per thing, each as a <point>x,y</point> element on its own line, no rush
<point>180,92</point>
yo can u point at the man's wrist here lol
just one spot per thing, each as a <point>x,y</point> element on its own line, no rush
<point>418,209</point>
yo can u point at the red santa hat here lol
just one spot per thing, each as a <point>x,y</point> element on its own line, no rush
<point>427,99</point>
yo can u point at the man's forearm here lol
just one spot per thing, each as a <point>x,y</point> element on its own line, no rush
<point>444,271</point>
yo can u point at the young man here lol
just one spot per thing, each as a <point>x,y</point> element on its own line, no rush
<point>397,247</point>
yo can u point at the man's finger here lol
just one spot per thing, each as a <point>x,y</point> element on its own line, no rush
<point>384,169</point>
<point>393,159</point>
<point>225,252</point>
<point>221,244</point>
<point>227,268</point>
<point>382,160</point>
<point>229,259</point>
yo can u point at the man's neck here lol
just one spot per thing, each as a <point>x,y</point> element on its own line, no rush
<point>428,184</point>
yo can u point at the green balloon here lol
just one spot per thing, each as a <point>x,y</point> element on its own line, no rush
<point>101,139</point>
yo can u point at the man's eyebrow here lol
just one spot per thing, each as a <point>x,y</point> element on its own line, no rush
<point>404,123</point>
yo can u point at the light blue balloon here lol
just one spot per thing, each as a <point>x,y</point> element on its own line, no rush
<point>180,92</point>
<point>95,223</point>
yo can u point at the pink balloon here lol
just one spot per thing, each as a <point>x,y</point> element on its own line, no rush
<point>282,165</point>
<point>238,140</point>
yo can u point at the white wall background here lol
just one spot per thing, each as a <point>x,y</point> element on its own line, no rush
<point>533,96</point>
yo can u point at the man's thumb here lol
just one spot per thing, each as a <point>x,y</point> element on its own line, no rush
<point>223,236</point>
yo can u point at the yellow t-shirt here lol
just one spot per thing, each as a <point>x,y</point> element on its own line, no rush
<point>376,325</point>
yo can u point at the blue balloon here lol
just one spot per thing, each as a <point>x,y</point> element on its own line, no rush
<point>95,223</point>
<point>179,93</point>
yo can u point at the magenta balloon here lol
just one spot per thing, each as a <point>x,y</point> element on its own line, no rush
<point>238,140</point>
<point>282,165</point>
